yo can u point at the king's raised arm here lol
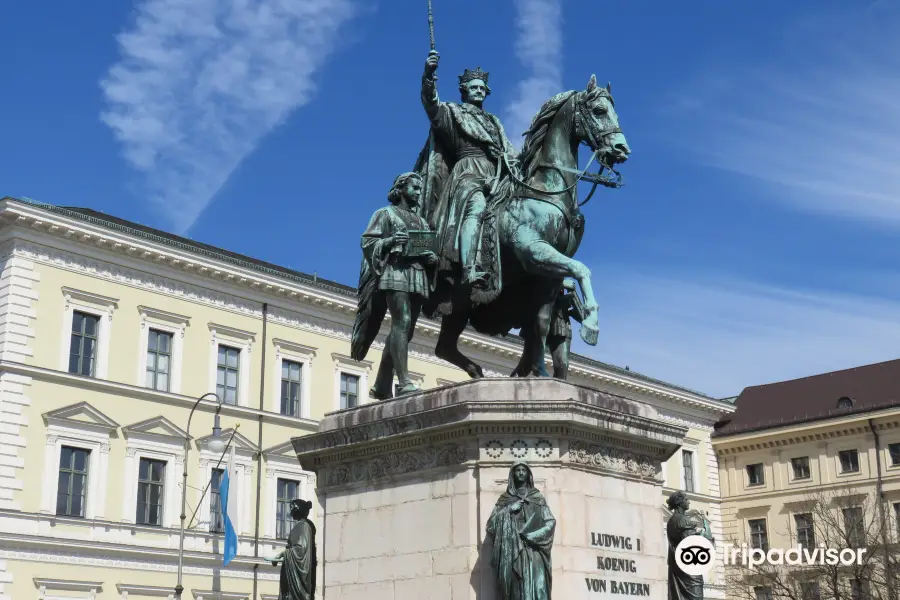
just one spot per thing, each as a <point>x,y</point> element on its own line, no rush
<point>429,86</point>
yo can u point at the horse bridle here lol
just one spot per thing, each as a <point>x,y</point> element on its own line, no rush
<point>583,120</point>
<point>612,179</point>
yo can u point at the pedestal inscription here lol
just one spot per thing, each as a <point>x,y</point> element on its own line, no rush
<point>615,570</point>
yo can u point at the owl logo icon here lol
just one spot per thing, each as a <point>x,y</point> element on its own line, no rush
<point>694,555</point>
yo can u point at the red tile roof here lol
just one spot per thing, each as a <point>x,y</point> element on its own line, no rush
<point>870,387</point>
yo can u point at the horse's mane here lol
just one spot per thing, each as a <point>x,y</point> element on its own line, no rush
<point>534,137</point>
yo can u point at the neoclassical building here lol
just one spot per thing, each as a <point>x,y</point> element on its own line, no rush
<point>111,332</point>
<point>811,461</point>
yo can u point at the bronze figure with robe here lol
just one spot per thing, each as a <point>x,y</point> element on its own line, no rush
<point>298,559</point>
<point>522,528</point>
<point>682,524</point>
<point>469,153</point>
<point>393,277</point>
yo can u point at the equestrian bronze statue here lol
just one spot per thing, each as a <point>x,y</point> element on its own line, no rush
<point>509,223</point>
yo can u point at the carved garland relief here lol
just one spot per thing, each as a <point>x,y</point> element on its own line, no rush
<point>613,459</point>
<point>395,463</point>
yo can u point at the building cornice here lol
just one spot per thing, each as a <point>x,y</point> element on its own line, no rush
<point>816,431</point>
<point>145,557</point>
<point>268,285</point>
<point>157,397</point>
<point>800,494</point>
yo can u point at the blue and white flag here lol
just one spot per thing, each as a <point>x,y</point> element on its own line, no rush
<point>229,511</point>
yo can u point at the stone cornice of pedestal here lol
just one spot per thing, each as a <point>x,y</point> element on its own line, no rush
<point>593,429</point>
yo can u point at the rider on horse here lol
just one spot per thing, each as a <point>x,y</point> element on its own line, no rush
<point>470,145</point>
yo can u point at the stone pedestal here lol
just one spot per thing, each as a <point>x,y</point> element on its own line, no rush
<point>405,488</point>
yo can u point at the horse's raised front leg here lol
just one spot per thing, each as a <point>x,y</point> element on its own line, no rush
<point>447,348</point>
<point>539,257</point>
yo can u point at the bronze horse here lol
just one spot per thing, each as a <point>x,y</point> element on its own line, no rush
<point>539,228</point>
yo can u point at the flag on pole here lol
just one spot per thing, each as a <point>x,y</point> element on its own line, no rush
<point>229,510</point>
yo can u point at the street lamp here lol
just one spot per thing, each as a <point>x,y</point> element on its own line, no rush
<point>215,445</point>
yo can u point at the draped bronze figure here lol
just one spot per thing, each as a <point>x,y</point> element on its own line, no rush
<point>298,559</point>
<point>682,524</point>
<point>522,528</point>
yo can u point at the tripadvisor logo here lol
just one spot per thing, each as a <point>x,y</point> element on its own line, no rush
<point>694,555</point>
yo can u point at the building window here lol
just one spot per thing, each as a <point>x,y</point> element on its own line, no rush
<point>810,590</point>
<point>854,527</point>
<point>349,390</point>
<point>216,517</point>
<point>763,593</point>
<point>806,535</point>
<point>288,491</point>
<point>897,518</point>
<point>291,383</point>
<point>151,475</point>
<point>687,462</point>
<point>894,449</point>
<point>759,536</point>
<point>159,360</point>
<point>756,474</point>
<point>83,347</point>
<point>801,467</point>
<point>849,461</point>
<point>227,374</point>
<point>859,589</point>
<point>73,473</point>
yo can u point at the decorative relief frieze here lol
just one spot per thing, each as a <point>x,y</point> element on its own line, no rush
<point>613,459</point>
<point>395,463</point>
<point>519,449</point>
<point>544,448</point>
<point>384,428</point>
<point>494,449</point>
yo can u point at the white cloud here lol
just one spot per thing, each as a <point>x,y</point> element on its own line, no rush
<point>819,127</point>
<point>719,336</point>
<point>200,82</point>
<point>539,48</point>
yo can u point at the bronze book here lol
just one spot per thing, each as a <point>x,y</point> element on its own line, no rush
<point>420,242</point>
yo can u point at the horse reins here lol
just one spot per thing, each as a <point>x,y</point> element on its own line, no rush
<point>582,175</point>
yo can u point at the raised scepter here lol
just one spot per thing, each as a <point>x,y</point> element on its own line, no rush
<point>426,205</point>
<point>430,25</point>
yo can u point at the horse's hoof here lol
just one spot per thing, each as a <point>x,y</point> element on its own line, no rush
<point>475,372</point>
<point>590,335</point>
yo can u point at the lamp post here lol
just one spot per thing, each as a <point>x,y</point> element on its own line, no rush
<point>216,445</point>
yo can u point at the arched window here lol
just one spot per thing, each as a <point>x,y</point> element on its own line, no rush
<point>845,402</point>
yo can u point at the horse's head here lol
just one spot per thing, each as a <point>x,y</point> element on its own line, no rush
<point>599,124</point>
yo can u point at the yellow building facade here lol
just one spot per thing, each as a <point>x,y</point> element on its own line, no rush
<point>810,451</point>
<point>109,334</point>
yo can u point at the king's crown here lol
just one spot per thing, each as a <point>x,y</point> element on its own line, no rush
<point>468,76</point>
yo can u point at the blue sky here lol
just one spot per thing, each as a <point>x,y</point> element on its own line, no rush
<point>756,238</point>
